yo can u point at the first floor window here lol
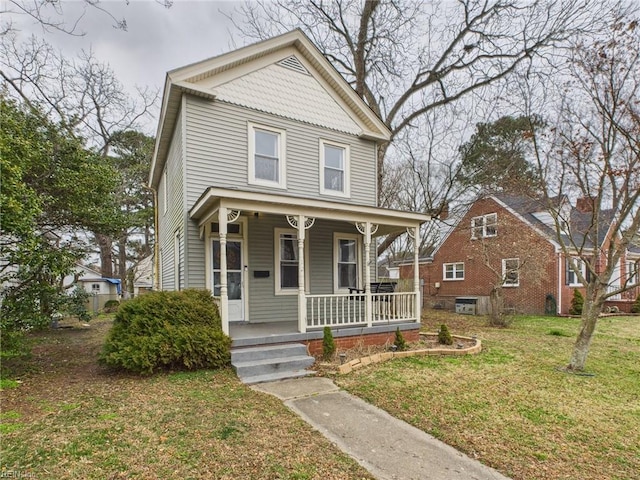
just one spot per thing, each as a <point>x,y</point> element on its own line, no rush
<point>346,257</point>
<point>633,273</point>
<point>288,261</point>
<point>95,288</point>
<point>511,272</point>
<point>453,271</point>
<point>572,277</point>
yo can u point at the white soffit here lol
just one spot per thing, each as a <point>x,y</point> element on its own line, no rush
<point>281,90</point>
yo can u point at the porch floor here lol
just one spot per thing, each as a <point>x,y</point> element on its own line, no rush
<point>251,334</point>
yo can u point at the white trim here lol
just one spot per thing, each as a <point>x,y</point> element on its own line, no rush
<point>337,236</point>
<point>504,272</point>
<point>276,261</point>
<point>346,169</point>
<point>177,268</point>
<point>281,136</point>
<point>454,271</point>
<point>290,205</point>
<point>165,194</point>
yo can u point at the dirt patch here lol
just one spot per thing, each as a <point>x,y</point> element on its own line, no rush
<point>345,361</point>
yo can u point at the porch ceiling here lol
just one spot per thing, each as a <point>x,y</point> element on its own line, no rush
<point>388,220</point>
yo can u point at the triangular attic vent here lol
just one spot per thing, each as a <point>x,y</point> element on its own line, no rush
<point>294,64</point>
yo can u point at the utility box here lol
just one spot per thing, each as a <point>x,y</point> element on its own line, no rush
<point>466,305</point>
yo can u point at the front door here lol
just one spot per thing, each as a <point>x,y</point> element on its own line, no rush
<point>235,280</point>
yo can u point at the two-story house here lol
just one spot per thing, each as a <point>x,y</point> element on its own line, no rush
<point>510,241</point>
<point>265,172</point>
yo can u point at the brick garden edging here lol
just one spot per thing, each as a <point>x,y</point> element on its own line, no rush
<point>383,357</point>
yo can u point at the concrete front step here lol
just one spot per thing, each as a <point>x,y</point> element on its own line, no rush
<point>272,377</point>
<point>268,363</point>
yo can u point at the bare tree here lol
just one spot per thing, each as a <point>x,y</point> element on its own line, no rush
<point>52,15</point>
<point>594,158</point>
<point>83,95</point>
<point>407,59</point>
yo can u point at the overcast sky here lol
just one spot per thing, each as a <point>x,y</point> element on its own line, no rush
<point>157,39</point>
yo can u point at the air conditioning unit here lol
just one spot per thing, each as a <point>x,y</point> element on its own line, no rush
<point>466,306</point>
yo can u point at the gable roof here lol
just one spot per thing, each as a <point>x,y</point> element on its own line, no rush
<point>200,79</point>
<point>582,232</point>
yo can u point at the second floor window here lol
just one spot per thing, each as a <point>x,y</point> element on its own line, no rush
<point>334,169</point>
<point>266,156</point>
<point>484,226</point>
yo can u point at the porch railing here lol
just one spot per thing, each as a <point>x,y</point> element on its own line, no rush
<point>350,309</point>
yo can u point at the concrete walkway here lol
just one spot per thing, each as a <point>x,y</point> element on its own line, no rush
<point>387,447</point>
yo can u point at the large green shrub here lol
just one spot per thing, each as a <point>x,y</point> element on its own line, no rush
<point>576,303</point>
<point>161,330</point>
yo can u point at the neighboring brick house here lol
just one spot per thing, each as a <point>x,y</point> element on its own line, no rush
<point>508,240</point>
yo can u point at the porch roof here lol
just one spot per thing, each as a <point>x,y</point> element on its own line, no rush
<point>388,220</point>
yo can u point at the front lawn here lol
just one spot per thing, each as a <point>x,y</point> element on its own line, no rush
<point>70,418</point>
<point>510,408</point>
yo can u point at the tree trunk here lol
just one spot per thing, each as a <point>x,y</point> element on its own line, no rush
<point>497,306</point>
<point>106,255</point>
<point>122,265</point>
<point>590,315</point>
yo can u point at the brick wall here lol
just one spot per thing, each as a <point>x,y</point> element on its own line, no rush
<point>346,343</point>
<point>482,259</point>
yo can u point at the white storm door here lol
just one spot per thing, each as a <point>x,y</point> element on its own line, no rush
<point>235,279</point>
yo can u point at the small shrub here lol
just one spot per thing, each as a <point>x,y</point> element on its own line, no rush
<point>111,306</point>
<point>399,341</point>
<point>635,308</point>
<point>167,330</point>
<point>576,303</point>
<point>76,304</point>
<point>444,336</point>
<point>328,344</point>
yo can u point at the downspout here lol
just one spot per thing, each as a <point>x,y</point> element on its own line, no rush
<point>559,306</point>
<point>156,245</point>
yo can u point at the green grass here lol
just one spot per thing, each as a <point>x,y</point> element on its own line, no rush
<point>512,409</point>
<point>71,419</point>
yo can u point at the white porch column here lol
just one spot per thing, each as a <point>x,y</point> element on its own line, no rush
<point>368,304</point>
<point>224,297</point>
<point>416,271</point>
<point>302,299</point>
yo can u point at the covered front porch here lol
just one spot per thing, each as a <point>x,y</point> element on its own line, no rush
<point>287,267</point>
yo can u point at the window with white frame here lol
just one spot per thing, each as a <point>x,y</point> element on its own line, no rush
<point>287,262</point>
<point>334,168</point>
<point>346,260</point>
<point>165,194</point>
<point>267,162</point>
<point>484,226</point>
<point>453,271</point>
<point>95,288</point>
<point>573,280</point>
<point>511,272</point>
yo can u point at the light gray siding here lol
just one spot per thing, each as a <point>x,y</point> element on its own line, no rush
<point>217,153</point>
<point>171,221</point>
<point>264,304</point>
